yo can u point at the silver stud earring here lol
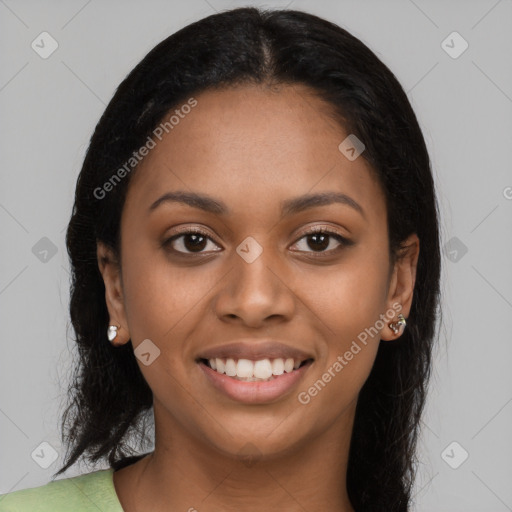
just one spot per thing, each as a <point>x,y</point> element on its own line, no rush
<point>112,332</point>
<point>398,326</point>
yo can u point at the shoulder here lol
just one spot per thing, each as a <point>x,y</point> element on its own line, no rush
<point>89,492</point>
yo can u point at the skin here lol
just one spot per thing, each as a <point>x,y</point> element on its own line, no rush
<point>251,147</point>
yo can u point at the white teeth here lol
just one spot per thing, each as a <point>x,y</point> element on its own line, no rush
<point>230,367</point>
<point>246,369</point>
<point>219,363</point>
<point>262,369</point>
<point>278,367</point>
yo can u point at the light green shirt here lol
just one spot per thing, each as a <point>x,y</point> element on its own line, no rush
<point>92,492</point>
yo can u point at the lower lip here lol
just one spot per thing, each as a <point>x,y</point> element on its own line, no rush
<point>254,392</point>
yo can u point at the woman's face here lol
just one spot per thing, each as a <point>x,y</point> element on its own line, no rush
<point>254,279</point>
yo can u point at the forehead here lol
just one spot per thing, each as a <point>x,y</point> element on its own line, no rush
<point>250,145</point>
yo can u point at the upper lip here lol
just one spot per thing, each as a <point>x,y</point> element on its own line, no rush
<point>254,349</point>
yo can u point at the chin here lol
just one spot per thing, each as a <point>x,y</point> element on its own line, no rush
<point>255,438</point>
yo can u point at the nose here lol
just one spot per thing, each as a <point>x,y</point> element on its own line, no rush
<point>254,293</point>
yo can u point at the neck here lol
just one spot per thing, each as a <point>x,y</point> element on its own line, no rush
<point>184,473</point>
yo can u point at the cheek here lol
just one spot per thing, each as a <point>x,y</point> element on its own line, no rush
<point>350,296</point>
<point>161,303</point>
<point>348,300</point>
<point>159,296</point>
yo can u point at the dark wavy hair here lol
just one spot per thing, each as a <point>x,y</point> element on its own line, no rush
<point>109,398</point>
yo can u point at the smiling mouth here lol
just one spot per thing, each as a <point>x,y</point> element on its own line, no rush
<point>248,370</point>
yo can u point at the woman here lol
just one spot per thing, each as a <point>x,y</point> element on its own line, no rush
<point>255,255</point>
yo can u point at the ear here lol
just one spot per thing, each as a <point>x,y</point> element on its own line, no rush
<point>402,282</point>
<point>114,296</point>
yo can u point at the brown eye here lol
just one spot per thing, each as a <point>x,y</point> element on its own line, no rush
<point>190,242</point>
<point>321,240</point>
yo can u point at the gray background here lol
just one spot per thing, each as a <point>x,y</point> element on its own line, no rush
<point>50,106</point>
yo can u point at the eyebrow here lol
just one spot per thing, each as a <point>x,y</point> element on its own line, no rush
<point>288,207</point>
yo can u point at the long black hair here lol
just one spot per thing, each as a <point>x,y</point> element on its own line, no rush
<point>109,400</point>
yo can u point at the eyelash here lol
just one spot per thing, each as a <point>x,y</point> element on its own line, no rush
<point>344,242</point>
